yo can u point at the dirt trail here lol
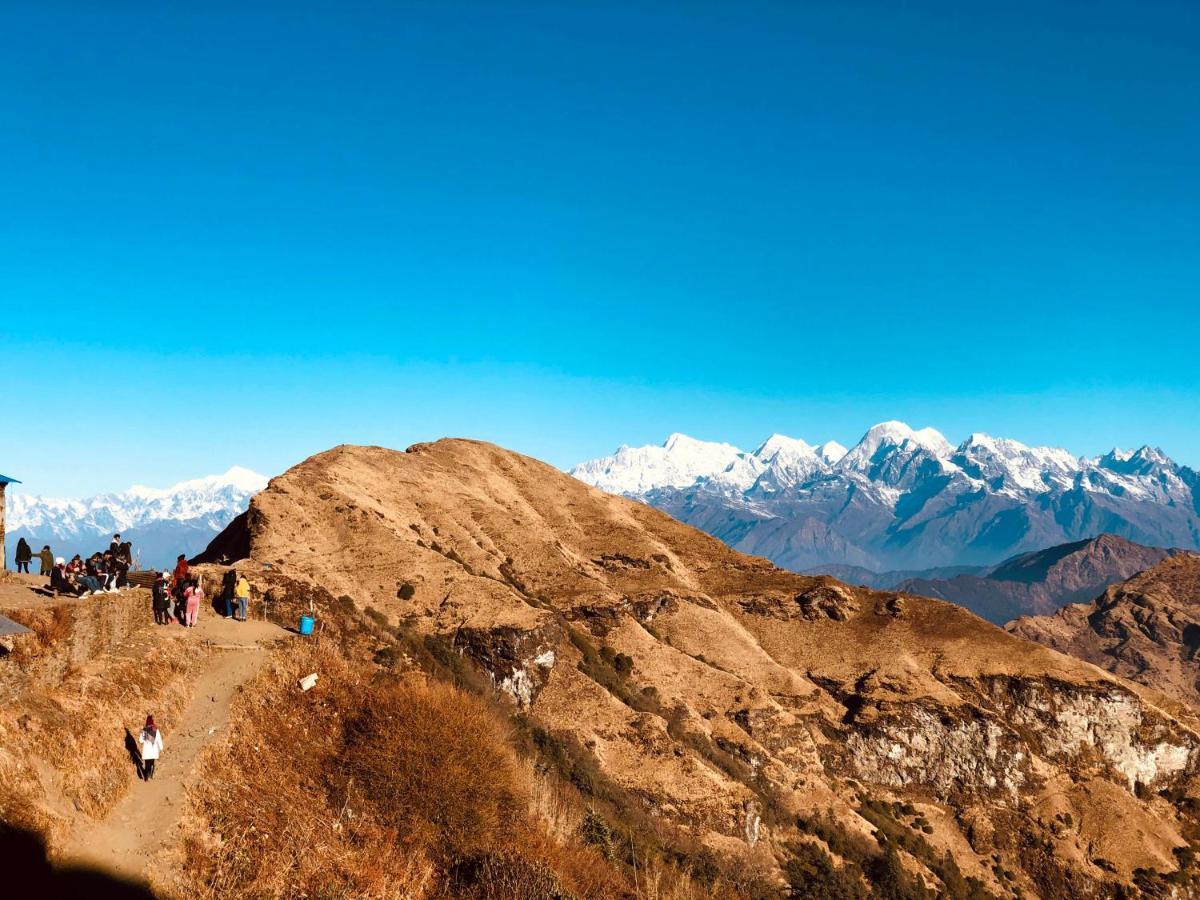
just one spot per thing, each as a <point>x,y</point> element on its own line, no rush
<point>146,820</point>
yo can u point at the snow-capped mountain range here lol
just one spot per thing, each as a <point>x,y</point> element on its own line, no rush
<point>905,498</point>
<point>162,523</point>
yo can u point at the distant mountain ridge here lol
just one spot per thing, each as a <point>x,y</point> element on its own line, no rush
<point>905,498</point>
<point>162,523</point>
<point>1044,581</point>
<point>1037,583</point>
<point>1146,629</point>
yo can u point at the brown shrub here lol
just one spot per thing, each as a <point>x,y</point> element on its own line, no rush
<point>369,785</point>
<point>434,757</point>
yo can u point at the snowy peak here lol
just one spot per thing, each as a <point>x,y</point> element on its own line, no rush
<point>780,443</point>
<point>883,442</point>
<point>212,499</point>
<point>904,498</point>
<point>1134,462</point>
<point>1010,467</point>
<point>679,462</point>
<point>831,452</point>
<point>237,479</point>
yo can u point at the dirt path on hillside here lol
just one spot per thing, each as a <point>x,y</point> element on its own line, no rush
<point>146,820</point>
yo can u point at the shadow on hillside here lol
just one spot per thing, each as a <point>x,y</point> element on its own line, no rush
<point>135,753</point>
<point>23,864</point>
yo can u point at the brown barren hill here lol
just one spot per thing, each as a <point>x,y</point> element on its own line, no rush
<point>1043,581</point>
<point>768,715</point>
<point>1146,629</point>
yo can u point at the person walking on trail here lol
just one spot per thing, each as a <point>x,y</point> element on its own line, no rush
<point>47,560</point>
<point>152,745</point>
<point>23,556</point>
<point>241,592</point>
<point>161,600</point>
<point>193,594</point>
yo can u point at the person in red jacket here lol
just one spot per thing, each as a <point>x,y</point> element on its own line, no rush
<point>179,579</point>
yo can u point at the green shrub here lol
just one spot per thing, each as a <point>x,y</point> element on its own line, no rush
<point>596,831</point>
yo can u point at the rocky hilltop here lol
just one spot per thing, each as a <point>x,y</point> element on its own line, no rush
<point>905,498</point>
<point>1041,582</point>
<point>801,725</point>
<point>1146,629</point>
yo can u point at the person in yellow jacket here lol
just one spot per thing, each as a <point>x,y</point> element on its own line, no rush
<point>241,593</point>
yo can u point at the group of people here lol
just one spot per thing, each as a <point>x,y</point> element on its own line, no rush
<point>180,589</point>
<point>25,556</point>
<point>176,594</point>
<point>183,590</point>
<point>100,573</point>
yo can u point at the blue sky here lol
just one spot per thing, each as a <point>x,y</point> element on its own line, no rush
<point>245,232</point>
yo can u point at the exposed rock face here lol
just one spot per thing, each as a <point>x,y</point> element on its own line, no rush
<point>773,694</point>
<point>1042,582</point>
<point>1146,629</point>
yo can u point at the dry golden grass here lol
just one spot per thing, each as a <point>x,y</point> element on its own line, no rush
<point>62,727</point>
<point>51,626</point>
<point>436,765</point>
<point>372,788</point>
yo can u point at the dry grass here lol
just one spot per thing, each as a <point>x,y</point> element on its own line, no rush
<point>436,765</point>
<point>62,728</point>
<point>85,739</point>
<point>370,787</point>
<point>50,626</point>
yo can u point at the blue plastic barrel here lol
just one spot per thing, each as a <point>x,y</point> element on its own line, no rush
<point>306,624</point>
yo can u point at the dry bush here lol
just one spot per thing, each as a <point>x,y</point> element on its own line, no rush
<point>370,786</point>
<point>19,793</point>
<point>436,758</point>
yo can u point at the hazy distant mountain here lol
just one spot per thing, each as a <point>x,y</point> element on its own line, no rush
<point>1042,582</point>
<point>1146,629</point>
<point>161,523</point>
<point>904,498</point>
<point>888,580</point>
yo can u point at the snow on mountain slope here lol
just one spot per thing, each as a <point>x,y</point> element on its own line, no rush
<point>168,520</point>
<point>831,452</point>
<point>679,462</point>
<point>907,498</point>
<point>1011,467</point>
<point>888,437</point>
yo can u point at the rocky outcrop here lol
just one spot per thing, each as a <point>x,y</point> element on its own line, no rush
<point>518,661</point>
<point>1146,629</point>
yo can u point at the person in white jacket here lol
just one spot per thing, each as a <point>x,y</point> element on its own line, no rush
<point>152,745</point>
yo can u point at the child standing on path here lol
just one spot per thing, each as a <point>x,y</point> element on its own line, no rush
<point>192,595</point>
<point>152,745</point>
<point>241,592</point>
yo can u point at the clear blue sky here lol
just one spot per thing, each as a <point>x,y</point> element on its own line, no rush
<point>244,232</point>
